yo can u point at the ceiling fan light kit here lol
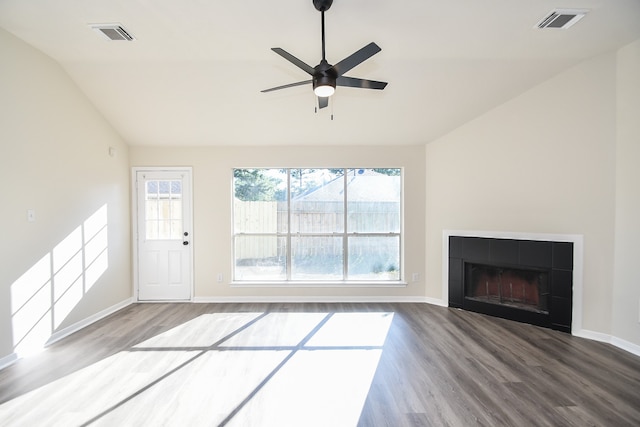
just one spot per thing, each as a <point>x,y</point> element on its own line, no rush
<point>325,85</point>
<point>324,76</point>
<point>324,91</point>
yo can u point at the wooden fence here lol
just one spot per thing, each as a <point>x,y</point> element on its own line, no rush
<point>257,217</point>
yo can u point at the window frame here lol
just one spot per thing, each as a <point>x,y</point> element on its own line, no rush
<point>345,235</point>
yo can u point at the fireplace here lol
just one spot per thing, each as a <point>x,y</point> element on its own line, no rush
<point>525,289</point>
<point>524,280</point>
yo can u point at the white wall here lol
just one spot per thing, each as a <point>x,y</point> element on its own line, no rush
<point>55,161</point>
<point>545,162</point>
<point>212,190</point>
<point>561,158</point>
<point>626,291</point>
<point>541,163</point>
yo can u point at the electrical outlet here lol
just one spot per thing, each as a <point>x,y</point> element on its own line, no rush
<point>415,277</point>
<point>220,277</point>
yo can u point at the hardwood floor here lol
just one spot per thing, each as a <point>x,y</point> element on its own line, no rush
<point>319,365</point>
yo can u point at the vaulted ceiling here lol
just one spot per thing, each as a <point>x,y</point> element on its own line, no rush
<point>194,73</point>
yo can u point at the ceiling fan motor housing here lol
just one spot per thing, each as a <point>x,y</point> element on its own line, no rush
<point>324,75</point>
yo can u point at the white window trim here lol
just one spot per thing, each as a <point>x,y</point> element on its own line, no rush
<point>401,283</point>
<point>320,284</point>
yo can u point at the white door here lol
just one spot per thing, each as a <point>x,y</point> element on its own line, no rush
<point>164,251</point>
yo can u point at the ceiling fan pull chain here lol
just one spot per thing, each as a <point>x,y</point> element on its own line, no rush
<point>333,101</point>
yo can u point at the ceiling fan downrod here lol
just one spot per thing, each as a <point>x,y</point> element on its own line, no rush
<point>323,50</point>
<point>322,6</point>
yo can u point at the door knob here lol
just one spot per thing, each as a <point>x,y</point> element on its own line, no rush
<point>185,243</point>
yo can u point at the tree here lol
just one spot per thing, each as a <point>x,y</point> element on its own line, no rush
<point>390,172</point>
<point>253,185</point>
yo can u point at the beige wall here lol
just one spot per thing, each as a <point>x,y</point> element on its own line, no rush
<point>212,176</point>
<point>55,161</point>
<point>626,291</point>
<point>561,159</point>
<point>545,162</point>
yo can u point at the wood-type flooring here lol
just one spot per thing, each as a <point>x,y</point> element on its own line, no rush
<point>342,364</point>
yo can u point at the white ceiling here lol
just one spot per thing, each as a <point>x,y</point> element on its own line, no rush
<point>194,73</point>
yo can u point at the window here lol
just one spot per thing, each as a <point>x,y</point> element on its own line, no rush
<point>163,210</point>
<point>326,225</point>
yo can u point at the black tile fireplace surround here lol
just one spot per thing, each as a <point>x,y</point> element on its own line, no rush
<point>546,266</point>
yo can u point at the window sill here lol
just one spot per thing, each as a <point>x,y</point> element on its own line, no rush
<point>320,284</point>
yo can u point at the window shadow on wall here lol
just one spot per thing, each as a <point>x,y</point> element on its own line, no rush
<point>50,289</point>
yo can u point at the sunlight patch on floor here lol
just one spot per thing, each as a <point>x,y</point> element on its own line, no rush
<point>353,330</point>
<point>314,388</point>
<point>238,369</point>
<point>202,393</point>
<point>277,330</point>
<point>78,397</point>
<point>203,331</point>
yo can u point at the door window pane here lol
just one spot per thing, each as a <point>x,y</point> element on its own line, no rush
<point>163,210</point>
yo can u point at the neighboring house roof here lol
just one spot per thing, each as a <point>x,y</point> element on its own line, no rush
<point>362,185</point>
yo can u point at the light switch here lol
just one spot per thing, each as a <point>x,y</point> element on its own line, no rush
<point>31,215</point>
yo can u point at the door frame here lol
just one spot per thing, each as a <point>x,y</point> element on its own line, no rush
<point>188,170</point>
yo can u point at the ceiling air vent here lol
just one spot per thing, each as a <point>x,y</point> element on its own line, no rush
<point>113,31</point>
<point>562,18</point>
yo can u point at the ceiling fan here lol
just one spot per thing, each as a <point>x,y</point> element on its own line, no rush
<point>324,76</point>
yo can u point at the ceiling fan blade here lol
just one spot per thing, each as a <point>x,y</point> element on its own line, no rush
<point>323,101</point>
<point>361,83</point>
<point>295,61</point>
<point>356,58</point>
<point>286,86</point>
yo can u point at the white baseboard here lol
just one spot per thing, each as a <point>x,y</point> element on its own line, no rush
<point>65,332</point>
<point>606,338</point>
<point>317,299</point>
<point>591,335</point>
<point>436,301</point>
<point>626,345</point>
<point>8,360</point>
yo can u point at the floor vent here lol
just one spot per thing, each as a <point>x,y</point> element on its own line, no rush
<point>562,18</point>
<point>112,31</point>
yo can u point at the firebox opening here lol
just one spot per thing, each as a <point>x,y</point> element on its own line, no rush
<point>525,289</point>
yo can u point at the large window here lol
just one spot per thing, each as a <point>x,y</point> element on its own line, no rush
<point>324,225</point>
